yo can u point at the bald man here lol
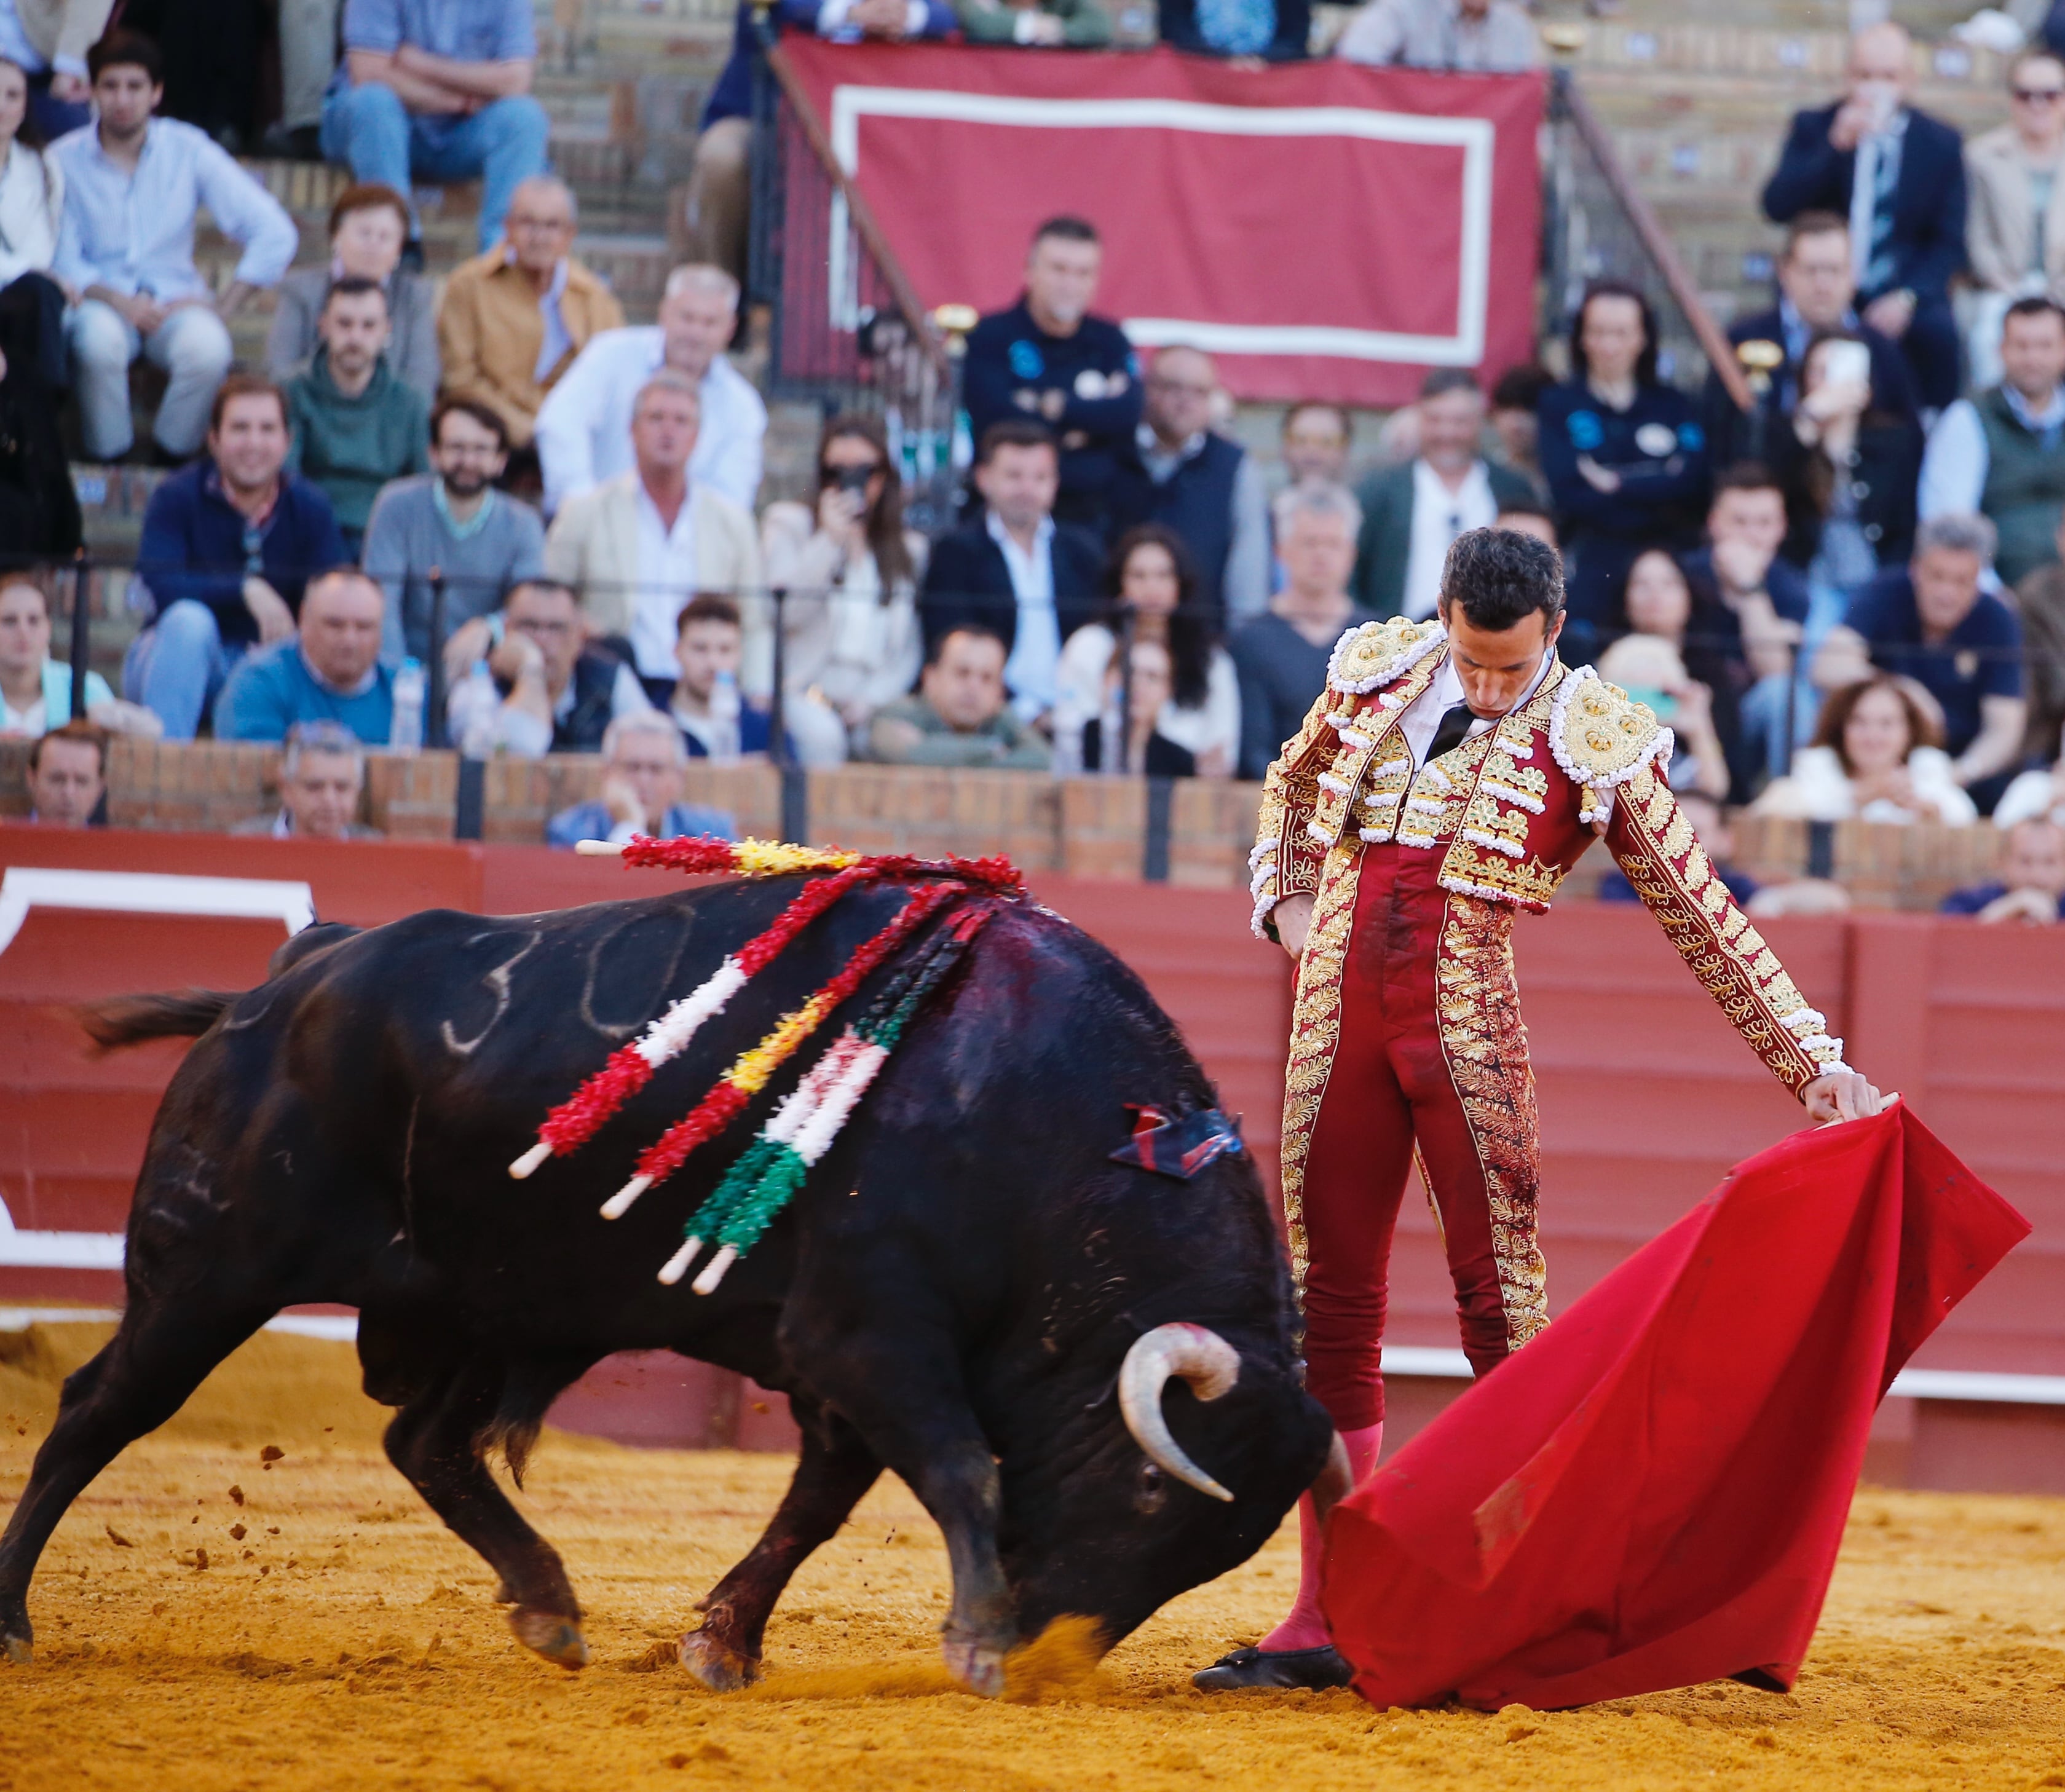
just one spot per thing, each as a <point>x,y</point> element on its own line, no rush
<point>1898,176</point>
<point>1178,472</point>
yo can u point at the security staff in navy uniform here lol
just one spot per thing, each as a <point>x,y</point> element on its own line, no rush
<point>1625,456</point>
<point>1048,359</point>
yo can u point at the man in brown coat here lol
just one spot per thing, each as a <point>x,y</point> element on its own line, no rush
<point>514,318</point>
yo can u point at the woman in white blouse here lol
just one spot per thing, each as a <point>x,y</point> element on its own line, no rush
<point>1877,756</point>
<point>31,206</point>
<point>850,637</point>
<point>1151,584</point>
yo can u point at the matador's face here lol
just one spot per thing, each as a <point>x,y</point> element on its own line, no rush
<point>1496,666</point>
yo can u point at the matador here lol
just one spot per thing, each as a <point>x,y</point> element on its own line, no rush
<point>1447,777</point>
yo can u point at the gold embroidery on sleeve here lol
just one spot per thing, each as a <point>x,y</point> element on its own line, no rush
<point>1726,953</point>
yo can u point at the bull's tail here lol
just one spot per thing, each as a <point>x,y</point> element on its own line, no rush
<point>121,1020</point>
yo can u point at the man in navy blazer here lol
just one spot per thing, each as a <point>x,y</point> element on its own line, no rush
<point>1816,292</point>
<point>1898,176</point>
<point>1013,570</point>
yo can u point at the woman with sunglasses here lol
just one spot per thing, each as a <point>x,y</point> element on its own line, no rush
<point>2015,220</point>
<point>851,635</point>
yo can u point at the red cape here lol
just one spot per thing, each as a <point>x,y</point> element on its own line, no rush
<point>1652,1494</point>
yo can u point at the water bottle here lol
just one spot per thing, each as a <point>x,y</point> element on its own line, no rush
<point>473,710</point>
<point>723,719</point>
<point>407,734</point>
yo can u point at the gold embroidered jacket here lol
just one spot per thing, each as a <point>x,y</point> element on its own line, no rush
<point>1510,812</point>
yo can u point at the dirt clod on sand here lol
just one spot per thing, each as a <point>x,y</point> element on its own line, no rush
<point>330,1651</point>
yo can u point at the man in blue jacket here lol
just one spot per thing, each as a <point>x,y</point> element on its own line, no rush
<point>1048,359</point>
<point>228,544</point>
<point>1898,176</point>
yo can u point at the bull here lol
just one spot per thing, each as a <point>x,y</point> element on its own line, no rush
<point>1087,1373</point>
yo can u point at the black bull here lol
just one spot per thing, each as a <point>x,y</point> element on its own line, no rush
<point>967,1292</point>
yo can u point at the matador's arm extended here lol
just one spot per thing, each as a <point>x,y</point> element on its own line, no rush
<point>1654,845</point>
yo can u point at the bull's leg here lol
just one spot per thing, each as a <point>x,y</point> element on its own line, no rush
<point>162,1352</point>
<point>836,1468</point>
<point>900,1387</point>
<point>434,1440</point>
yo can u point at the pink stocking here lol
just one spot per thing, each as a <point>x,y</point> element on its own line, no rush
<point>1306,1627</point>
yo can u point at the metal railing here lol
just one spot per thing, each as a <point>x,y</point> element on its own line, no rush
<point>1596,225</point>
<point>845,329</point>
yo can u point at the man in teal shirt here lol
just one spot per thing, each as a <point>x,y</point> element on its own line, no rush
<point>329,671</point>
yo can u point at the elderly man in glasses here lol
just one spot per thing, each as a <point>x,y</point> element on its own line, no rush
<point>514,319</point>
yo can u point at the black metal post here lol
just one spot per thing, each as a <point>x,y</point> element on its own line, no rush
<point>81,632</point>
<point>471,812</point>
<point>433,720</point>
<point>1154,848</point>
<point>1120,751</point>
<point>778,701</point>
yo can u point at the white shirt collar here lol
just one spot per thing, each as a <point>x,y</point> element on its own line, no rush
<point>558,286</point>
<point>650,509</point>
<point>359,690</point>
<point>1004,538</point>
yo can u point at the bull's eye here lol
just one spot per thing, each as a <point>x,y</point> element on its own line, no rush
<point>1150,1488</point>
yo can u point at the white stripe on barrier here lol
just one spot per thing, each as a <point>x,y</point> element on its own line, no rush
<point>140,892</point>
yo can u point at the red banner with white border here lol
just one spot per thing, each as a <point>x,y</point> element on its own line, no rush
<point>1324,230</point>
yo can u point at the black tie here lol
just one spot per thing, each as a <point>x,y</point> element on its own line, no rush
<point>1449,731</point>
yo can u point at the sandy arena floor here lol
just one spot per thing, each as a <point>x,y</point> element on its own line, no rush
<point>338,1636</point>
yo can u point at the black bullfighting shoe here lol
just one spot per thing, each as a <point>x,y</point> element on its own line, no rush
<point>1253,1670</point>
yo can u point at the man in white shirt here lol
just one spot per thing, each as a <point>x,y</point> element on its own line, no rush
<point>584,432</point>
<point>1016,572</point>
<point>1412,514</point>
<point>2002,452</point>
<point>639,545</point>
<point>133,184</point>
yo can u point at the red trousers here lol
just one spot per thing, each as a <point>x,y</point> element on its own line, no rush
<point>1429,1053</point>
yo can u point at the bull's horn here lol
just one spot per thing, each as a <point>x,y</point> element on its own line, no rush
<point>1335,1482</point>
<point>1193,1353</point>
<point>598,849</point>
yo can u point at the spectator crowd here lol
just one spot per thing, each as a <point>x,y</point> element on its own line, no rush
<point>1847,599</point>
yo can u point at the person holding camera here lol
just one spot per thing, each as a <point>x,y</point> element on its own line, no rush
<point>850,636</point>
<point>1849,468</point>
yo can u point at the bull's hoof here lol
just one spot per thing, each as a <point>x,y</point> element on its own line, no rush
<point>19,1648</point>
<point>977,1664</point>
<point>719,1668</point>
<point>551,1634</point>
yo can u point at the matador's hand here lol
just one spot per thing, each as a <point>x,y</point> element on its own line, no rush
<point>1293,916</point>
<point>1841,1095</point>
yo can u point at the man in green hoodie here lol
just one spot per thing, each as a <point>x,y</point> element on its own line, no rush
<point>356,425</point>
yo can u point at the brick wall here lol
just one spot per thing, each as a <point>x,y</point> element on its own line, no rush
<point>1094,828</point>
